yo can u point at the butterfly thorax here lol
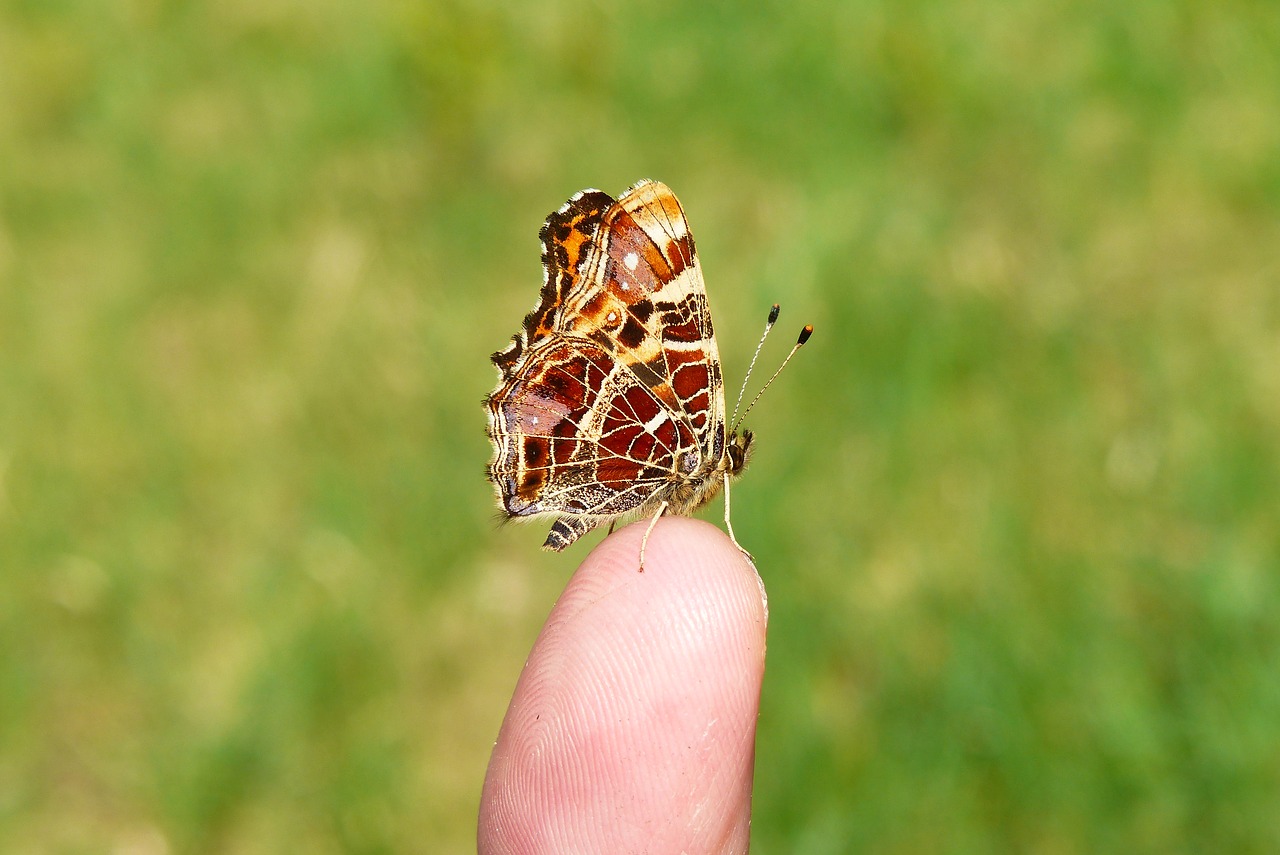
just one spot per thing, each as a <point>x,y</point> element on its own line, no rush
<point>689,491</point>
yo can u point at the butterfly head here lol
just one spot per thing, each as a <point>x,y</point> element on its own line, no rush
<point>739,450</point>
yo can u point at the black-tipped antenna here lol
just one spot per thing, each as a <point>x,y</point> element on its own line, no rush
<point>804,336</point>
<point>768,325</point>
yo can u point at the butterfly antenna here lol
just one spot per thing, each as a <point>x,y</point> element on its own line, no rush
<point>768,325</point>
<point>804,336</point>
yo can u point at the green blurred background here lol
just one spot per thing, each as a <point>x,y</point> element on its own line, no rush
<point>1017,503</point>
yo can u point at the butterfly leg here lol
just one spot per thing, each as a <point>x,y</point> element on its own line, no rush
<point>644,541</point>
<point>729,525</point>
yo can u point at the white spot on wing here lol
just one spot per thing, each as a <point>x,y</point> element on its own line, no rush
<point>631,260</point>
<point>654,423</point>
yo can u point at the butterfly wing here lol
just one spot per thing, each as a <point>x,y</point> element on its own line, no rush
<point>642,297</point>
<point>613,385</point>
<point>578,437</point>
<point>568,239</point>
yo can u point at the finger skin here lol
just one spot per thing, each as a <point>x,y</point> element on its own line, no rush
<point>632,726</point>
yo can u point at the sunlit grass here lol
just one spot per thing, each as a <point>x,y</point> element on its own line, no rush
<point>1016,503</point>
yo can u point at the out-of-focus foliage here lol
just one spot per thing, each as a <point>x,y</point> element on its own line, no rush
<point>1017,504</point>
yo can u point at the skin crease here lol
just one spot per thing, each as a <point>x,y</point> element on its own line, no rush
<point>632,726</point>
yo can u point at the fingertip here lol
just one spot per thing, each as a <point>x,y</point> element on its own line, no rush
<point>637,707</point>
<point>689,553</point>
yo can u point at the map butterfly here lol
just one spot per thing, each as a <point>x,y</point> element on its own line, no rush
<point>610,401</point>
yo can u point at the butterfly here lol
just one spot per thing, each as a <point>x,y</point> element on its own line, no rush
<point>610,400</point>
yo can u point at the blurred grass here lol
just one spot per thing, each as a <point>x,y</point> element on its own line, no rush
<point>1016,504</point>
